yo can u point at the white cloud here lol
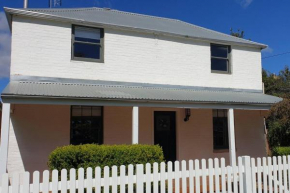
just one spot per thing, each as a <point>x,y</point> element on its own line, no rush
<point>244,3</point>
<point>5,47</point>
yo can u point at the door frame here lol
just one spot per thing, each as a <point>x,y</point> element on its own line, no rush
<point>176,123</point>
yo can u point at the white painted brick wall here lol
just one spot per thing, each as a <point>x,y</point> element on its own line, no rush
<point>43,48</point>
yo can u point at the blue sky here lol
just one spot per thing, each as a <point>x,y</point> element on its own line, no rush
<point>264,21</point>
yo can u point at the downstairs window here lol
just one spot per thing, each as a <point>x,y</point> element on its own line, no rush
<point>86,125</point>
<point>220,129</point>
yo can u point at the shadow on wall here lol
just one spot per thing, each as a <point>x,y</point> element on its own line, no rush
<point>35,131</point>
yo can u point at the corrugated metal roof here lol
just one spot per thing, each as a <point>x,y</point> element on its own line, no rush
<point>92,91</point>
<point>135,21</point>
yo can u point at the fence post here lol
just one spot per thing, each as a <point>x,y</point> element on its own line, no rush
<point>247,177</point>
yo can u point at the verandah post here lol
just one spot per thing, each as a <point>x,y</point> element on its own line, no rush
<point>232,142</point>
<point>4,138</point>
<point>247,175</point>
<point>135,125</point>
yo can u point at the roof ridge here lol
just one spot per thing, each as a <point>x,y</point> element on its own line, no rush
<point>224,34</point>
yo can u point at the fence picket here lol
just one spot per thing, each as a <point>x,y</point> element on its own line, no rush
<point>197,176</point>
<point>270,174</point>
<point>210,174</point>
<point>107,179</point>
<point>63,181</point>
<point>288,171</point>
<point>81,180</point>
<point>155,178</point>
<point>247,174</point>
<point>217,175</point>
<point>36,182</point>
<point>115,179</point>
<point>26,183</point>
<point>229,179</point>
<point>5,183</point>
<point>275,174</point>
<point>183,174</point>
<point>98,180</point>
<point>162,177</point>
<point>54,181</point>
<point>223,175</point>
<point>191,176</point>
<point>140,177</point>
<point>285,174</point>
<point>176,177</point>
<point>253,164</point>
<point>130,178</point>
<point>169,177</point>
<point>89,180</point>
<point>72,180</point>
<point>122,178</point>
<point>235,177</point>
<point>259,171</point>
<point>15,183</point>
<point>265,172</point>
<point>280,175</point>
<point>241,178</point>
<point>204,176</point>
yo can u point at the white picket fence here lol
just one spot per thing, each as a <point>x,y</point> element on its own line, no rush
<point>250,176</point>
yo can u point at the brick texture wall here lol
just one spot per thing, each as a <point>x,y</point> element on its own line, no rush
<point>43,48</point>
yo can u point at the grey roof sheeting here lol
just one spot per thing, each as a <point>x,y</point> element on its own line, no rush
<point>135,21</point>
<point>138,93</point>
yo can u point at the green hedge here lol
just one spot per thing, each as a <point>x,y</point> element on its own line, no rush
<point>279,151</point>
<point>91,155</point>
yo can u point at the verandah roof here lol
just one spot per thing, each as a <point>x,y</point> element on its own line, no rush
<point>17,91</point>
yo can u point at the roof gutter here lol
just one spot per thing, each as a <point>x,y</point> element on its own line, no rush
<point>10,11</point>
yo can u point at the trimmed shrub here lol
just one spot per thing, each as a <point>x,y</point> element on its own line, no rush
<point>280,151</point>
<point>92,155</point>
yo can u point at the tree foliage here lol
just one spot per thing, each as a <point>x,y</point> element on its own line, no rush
<point>239,33</point>
<point>278,120</point>
<point>277,85</point>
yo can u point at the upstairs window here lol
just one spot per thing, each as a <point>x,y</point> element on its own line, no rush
<point>220,61</point>
<point>220,129</point>
<point>87,44</point>
<point>86,125</point>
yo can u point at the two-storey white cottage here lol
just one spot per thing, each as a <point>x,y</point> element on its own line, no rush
<point>93,75</point>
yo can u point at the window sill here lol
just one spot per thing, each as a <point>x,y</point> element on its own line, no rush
<point>87,60</point>
<point>221,72</point>
<point>220,150</point>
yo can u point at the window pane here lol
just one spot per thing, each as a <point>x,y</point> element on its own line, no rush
<point>86,51</point>
<point>220,113</point>
<point>214,112</point>
<point>219,51</point>
<point>97,111</point>
<point>86,111</point>
<point>225,113</point>
<point>76,111</point>
<point>219,64</point>
<point>87,34</point>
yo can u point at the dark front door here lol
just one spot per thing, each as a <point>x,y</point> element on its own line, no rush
<point>165,133</point>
